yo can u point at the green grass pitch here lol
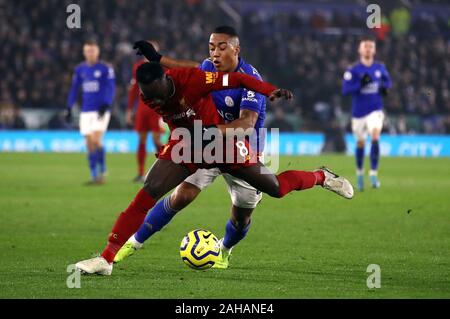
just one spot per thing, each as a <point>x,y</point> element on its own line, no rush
<point>311,244</point>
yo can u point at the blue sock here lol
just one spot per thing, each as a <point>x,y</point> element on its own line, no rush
<point>159,216</point>
<point>233,234</point>
<point>92,159</point>
<point>101,159</point>
<point>374,155</point>
<point>359,157</point>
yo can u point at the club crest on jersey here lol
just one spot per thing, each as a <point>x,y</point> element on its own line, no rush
<point>229,101</point>
<point>97,73</point>
<point>210,77</point>
<point>377,73</point>
<point>347,75</point>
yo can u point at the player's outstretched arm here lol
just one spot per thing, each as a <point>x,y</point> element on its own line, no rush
<point>216,81</point>
<point>147,49</point>
<point>175,63</point>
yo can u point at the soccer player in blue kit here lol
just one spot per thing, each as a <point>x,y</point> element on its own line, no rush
<point>97,82</point>
<point>247,110</point>
<point>367,81</point>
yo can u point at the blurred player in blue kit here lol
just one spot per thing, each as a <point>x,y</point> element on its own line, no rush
<point>97,83</point>
<point>367,81</point>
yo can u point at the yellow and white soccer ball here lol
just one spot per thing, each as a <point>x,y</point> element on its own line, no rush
<point>200,249</point>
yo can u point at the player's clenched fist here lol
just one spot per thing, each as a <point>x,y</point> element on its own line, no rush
<point>146,49</point>
<point>280,93</point>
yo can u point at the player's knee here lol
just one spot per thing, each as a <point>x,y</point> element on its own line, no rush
<point>273,190</point>
<point>154,188</point>
<point>360,143</point>
<point>183,195</point>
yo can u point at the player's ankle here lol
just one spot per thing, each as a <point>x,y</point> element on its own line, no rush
<point>320,177</point>
<point>136,244</point>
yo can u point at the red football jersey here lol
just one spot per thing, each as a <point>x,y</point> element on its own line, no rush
<point>192,100</point>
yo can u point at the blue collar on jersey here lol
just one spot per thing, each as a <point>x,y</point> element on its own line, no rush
<point>239,66</point>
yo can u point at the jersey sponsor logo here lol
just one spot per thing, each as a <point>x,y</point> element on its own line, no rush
<point>189,113</point>
<point>347,75</point>
<point>91,86</point>
<point>210,77</point>
<point>227,116</point>
<point>250,97</point>
<point>371,88</point>
<point>229,101</point>
<point>97,73</point>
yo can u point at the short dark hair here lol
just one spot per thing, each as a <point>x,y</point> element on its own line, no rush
<point>365,38</point>
<point>91,42</point>
<point>225,29</point>
<point>148,72</point>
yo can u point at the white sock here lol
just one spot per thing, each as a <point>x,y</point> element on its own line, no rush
<point>360,171</point>
<point>373,173</point>
<point>225,249</point>
<point>135,243</point>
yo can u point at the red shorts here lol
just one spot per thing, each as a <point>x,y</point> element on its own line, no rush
<point>148,120</point>
<point>243,157</point>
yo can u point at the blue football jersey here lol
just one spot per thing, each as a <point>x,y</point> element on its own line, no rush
<point>366,99</point>
<point>97,83</point>
<point>230,102</point>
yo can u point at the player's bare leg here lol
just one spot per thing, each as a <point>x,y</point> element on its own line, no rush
<point>160,215</point>
<point>183,195</point>
<point>374,158</point>
<point>261,178</point>
<point>359,154</point>
<point>141,156</point>
<point>162,177</point>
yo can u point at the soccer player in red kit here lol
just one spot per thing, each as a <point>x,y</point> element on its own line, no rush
<point>181,96</point>
<point>145,120</point>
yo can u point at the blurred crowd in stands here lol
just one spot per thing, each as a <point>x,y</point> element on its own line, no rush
<point>305,49</point>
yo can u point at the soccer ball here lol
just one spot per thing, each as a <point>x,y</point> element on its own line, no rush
<point>199,249</point>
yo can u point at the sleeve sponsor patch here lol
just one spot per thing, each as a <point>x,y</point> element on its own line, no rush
<point>211,77</point>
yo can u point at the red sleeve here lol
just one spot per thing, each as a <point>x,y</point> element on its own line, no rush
<point>133,90</point>
<point>206,82</point>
